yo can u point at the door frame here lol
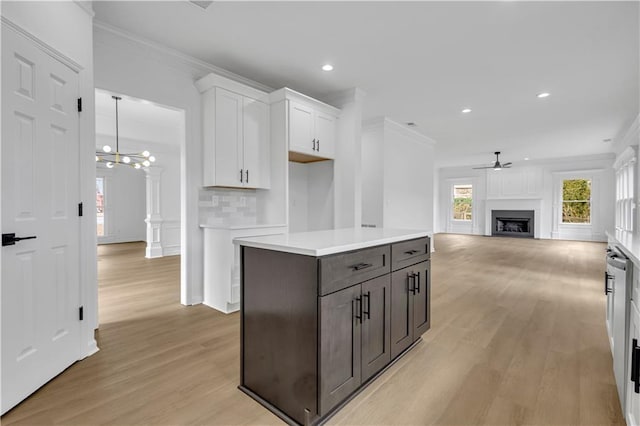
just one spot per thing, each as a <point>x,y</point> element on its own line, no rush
<point>185,289</point>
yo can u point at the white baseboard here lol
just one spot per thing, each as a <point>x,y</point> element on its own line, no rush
<point>153,252</point>
<point>171,251</point>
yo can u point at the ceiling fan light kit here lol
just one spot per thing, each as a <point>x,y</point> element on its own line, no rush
<point>497,165</point>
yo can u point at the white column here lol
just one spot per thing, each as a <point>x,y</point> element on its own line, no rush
<point>348,163</point>
<point>154,218</point>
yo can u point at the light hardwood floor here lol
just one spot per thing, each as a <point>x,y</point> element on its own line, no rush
<point>518,337</point>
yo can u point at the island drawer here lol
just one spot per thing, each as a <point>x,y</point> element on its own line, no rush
<point>346,269</point>
<point>407,253</point>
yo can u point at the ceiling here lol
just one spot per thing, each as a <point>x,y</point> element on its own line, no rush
<point>139,121</point>
<point>424,62</point>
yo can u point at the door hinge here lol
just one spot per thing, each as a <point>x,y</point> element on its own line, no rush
<point>79,104</point>
<point>81,313</point>
<point>80,210</point>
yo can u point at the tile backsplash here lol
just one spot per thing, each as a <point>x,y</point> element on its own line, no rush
<point>221,206</point>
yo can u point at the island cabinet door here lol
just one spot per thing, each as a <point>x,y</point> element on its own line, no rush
<point>401,311</point>
<point>376,325</point>
<point>340,346</point>
<point>421,298</point>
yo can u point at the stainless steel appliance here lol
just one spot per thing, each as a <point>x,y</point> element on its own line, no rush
<point>617,287</point>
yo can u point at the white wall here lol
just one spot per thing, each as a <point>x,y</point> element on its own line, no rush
<point>125,207</point>
<point>347,167</point>
<point>311,201</point>
<point>397,177</point>
<point>408,180</point>
<point>67,27</point>
<point>142,69</point>
<point>536,184</point>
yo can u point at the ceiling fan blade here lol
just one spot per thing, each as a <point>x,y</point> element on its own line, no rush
<point>507,164</point>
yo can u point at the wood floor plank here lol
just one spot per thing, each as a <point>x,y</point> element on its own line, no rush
<point>518,337</point>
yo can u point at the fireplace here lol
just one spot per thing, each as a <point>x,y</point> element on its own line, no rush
<point>512,223</point>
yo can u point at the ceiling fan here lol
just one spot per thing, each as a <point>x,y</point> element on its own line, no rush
<point>497,165</point>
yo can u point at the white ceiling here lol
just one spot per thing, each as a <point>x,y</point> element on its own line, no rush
<point>138,120</point>
<point>425,61</point>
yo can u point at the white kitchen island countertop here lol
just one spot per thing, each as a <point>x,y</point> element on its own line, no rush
<point>322,243</point>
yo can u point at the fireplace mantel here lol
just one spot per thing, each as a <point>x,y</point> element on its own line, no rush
<point>513,204</point>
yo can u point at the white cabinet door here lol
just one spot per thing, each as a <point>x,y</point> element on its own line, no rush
<point>228,138</point>
<point>256,144</point>
<point>325,133</point>
<point>301,129</point>
<point>632,413</point>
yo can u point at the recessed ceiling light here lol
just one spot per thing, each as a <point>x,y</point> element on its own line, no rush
<point>327,67</point>
<point>466,110</point>
<point>526,158</point>
<point>543,94</point>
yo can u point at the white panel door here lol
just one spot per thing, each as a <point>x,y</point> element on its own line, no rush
<point>325,126</point>
<point>256,159</point>
<point>228,138</point>
<point>301,131</point>
<point>633,391</point>
<point>40,193</point>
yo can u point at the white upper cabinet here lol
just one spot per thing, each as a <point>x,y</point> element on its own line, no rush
<point>325,126</point>
<point>235,133</point>
<point>311,129</point>
<point>255,147</point>
<point>301,128</point>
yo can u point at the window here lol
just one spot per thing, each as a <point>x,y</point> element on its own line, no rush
<point>625,167</point>
<point>100,206</point>
<point>462,202</point>
<point>576,201</point>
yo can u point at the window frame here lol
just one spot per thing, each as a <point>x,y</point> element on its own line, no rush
<point>452,202</point>
<point>589,201</point>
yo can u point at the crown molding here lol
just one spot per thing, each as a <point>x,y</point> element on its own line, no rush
<point>86,6</point>
<point>47,48</point>
<point>181,57</point>
<point>379,123</point>
<point>343,97</point>
<point>630,137</point>
<point>286,93</point>
<point>545,162</point>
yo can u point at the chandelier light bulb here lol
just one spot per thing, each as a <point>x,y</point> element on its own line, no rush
<point>97,158</point>
<point>152,158</point>
<point>110,165</point>
<point>126,160</point>
<point>137,165</point>
<point>146,153</point>
<point>146,163</point>
<point>106,148</point>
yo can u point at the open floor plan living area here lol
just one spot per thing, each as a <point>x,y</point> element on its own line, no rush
<point>319,212</point>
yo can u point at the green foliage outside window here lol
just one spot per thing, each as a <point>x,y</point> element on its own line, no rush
<point>576,201</point>
<point>462,202</point>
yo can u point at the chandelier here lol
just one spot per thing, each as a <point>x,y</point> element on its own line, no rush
<point>112,158</point>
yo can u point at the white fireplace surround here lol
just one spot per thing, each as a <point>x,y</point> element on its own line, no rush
<point>514,204</point>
